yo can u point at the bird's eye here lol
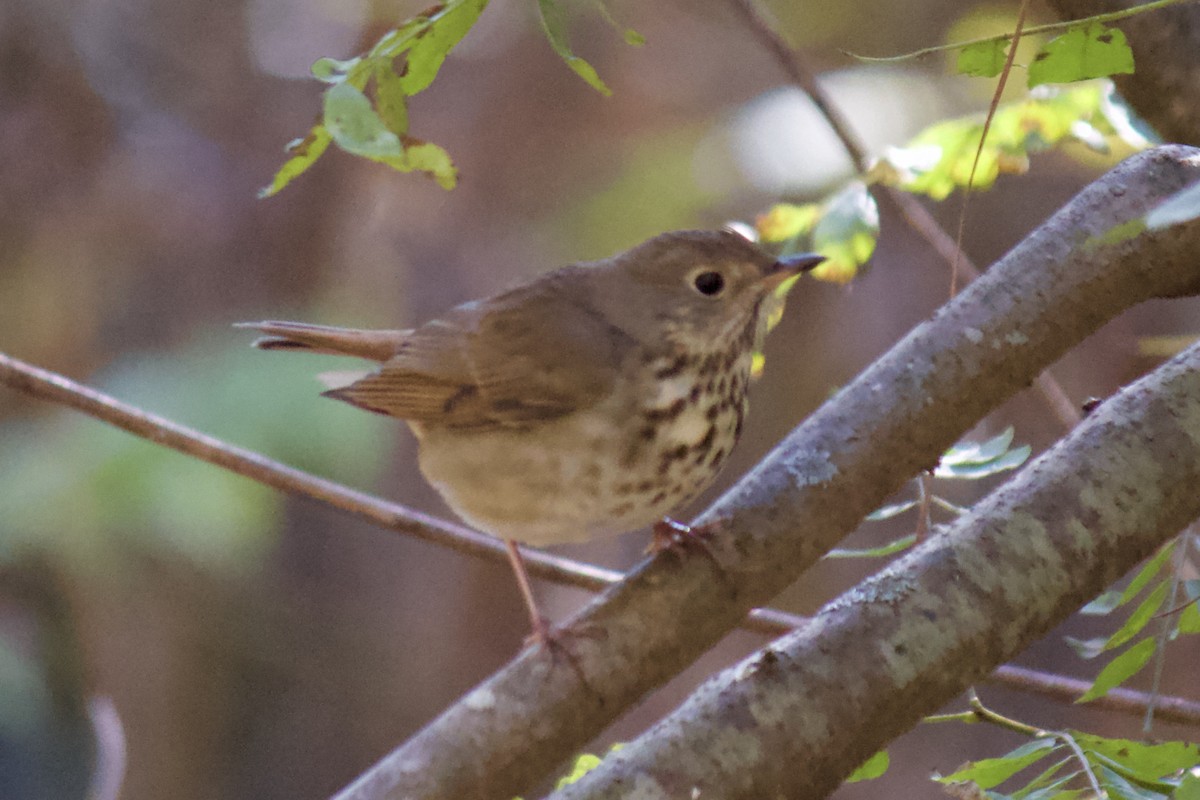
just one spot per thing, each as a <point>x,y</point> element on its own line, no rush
<point>709,283</point>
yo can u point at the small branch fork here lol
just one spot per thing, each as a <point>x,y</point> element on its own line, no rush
<point>56,388</point>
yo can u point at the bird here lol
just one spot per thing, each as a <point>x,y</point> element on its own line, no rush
<point>587,402</point>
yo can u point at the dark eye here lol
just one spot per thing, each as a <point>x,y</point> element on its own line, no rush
<point>709,283</point>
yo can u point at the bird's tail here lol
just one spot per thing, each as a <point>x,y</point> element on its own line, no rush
<point>373,345</point>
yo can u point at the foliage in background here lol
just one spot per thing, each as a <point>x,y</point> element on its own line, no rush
<point>365,109</point>
<point>75,487</point>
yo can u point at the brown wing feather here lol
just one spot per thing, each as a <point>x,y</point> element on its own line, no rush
<point>534,353</point>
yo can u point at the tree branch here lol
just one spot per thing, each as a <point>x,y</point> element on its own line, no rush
<point>56,388</point>
<point>874,661</point>
<point>894,420</point>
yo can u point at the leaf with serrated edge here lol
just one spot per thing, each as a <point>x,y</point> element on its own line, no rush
<point>1120,669</point>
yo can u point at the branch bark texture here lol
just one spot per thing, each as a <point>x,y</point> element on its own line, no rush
<point>1050,292</point>
<point>795,719</point>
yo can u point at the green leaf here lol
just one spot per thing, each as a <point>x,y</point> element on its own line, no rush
<point>1189,788</point>
<point>1083,52</point>
<point>304,153</point>
<point>938,160</point>
<point>434,42</point>
<point>786,222</point>
<point>331,70</point>
<point>630,36</point>
<point>426,157</point>
<point>1010,460</point>
<point>1049,779</point>
<point>845,233</point>
<point>1104,604</point>
<point>983,59</point>
<point>1147,572</point>
<point>1086,648</point>
<point>354,125</point>
<point>1139,618</point>
<point>870,769</point>
<point>555,26</point>
<point>889,511</point>
<point>973,461</point>
<point>980,452</point>
<point>1183,206</point>
<point>1120,669</point>
<point>390,98</point>
<point>903,543</point>
<point>989,772</point>
<point>1116,787</point>
<point>1141,761</point>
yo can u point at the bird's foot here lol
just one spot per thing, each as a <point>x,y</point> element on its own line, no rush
<point>677,537</point>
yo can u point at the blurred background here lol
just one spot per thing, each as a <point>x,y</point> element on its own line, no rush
<point>251,645</point>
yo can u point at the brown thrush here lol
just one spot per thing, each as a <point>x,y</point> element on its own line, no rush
<point>588,402</point>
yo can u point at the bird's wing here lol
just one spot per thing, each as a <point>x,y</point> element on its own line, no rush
<point>528,355</point>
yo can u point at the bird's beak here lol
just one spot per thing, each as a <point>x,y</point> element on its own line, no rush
<point>788,266</point>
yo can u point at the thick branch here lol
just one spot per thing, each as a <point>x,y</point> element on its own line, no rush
<point>893,421</point>
<point>877,659</point>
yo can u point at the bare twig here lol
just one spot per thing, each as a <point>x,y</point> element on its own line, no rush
<point>51,386</point>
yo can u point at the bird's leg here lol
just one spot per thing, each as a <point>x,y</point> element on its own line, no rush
<point>541,628</point>
<point>541,635</point>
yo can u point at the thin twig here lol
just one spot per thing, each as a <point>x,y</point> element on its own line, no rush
<point>56,388</point>
<point>1049,27</point>
<point>918,218</point>
<point>1164,631</point>
<point>800,74</point>
<point>924,495</point>
<point>987,126</point>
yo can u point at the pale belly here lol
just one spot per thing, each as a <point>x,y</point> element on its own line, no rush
<point>578,477</point>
